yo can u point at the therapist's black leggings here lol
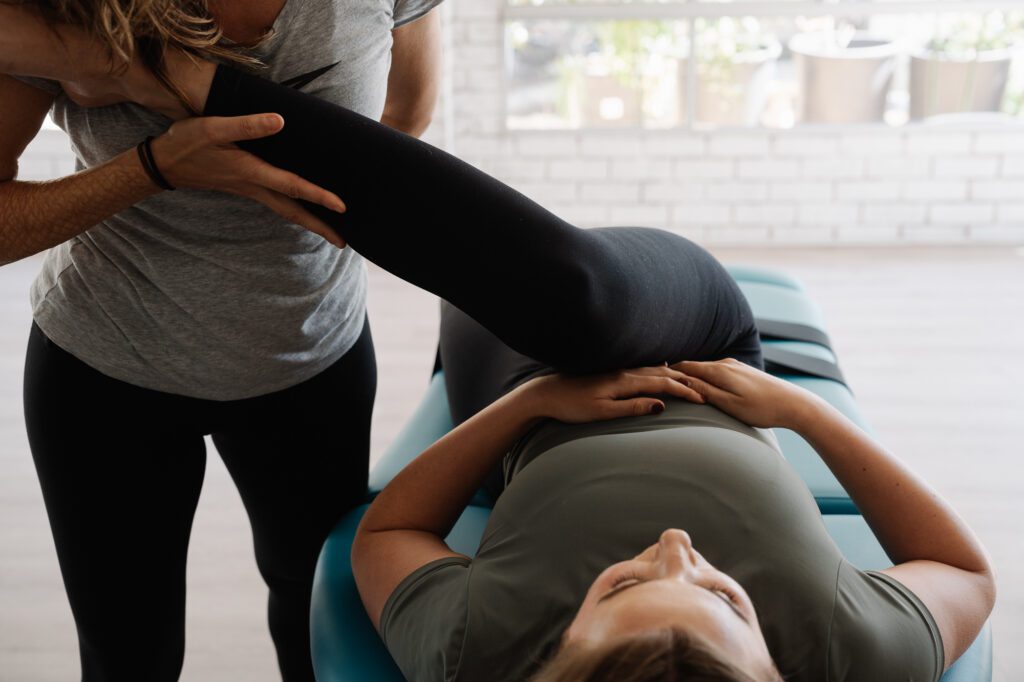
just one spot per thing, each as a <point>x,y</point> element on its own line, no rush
<point>121,468</point>
<point>573,299</point>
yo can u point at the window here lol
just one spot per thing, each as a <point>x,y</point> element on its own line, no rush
<point>779,63</point>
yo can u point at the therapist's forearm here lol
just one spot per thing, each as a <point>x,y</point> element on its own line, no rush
<point>35,216</point>
<point>910,520</point>
<point>432,491</point>
<point>414,126</point>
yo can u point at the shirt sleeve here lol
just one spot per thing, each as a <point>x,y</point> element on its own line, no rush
<point>50,86</point>
<point>881,631</point>
<point>410,10</point>
<point>424,620</point>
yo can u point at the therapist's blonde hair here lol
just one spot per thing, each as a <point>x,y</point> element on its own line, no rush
<point>149,27</point>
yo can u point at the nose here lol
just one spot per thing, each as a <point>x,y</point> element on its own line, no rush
<point>676,551</point>
<point>676,536</point>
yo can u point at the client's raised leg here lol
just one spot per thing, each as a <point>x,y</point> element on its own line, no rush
<point>577,300</point>
<point>478,367</point>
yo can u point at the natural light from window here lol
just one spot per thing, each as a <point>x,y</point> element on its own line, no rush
<point>648,64</point>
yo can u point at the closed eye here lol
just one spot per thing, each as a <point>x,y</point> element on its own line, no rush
<point>728,600</point>
<point>631,581</point>
<point>620,586</point>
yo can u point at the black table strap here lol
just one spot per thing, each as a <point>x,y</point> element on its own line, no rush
<point>781,361</point>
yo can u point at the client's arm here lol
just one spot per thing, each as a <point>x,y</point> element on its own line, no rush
<point>937,556</point>
<point>405,526</point>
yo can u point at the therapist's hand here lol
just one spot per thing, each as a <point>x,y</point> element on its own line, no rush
<point>199,153</point>
<point>750,395</point>
<point>626,393</point>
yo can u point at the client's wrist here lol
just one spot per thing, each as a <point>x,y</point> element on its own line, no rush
<point>803,410</point>
<point>531,400</point>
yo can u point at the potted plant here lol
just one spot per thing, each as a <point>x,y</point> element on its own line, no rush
<point>844,75</point>
<point>966,64</point>
<point>736,61</point>
<point>605,85</point>
<point>605,93</point>
<point>534,66</point>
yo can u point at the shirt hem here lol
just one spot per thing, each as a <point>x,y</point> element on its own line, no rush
<point>302,374</point>
<point>940,650</point>
<point>409,19</point>
<point>409,581</point>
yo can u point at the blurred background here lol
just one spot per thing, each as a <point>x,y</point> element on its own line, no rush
<point>875,149</point>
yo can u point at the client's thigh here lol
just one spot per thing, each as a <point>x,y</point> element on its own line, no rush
<point>652,297</point>
<point>478,367</point>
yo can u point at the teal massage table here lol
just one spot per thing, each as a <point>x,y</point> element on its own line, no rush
<point>345,646</point>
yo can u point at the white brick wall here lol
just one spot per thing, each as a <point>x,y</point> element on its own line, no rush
<point>853,185</point>
<point>812,185</point>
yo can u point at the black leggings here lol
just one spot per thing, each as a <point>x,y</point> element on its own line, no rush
<point>121,468</point>
<point>572,299</point>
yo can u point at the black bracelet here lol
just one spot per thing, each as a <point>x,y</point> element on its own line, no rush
<point>145,151</point>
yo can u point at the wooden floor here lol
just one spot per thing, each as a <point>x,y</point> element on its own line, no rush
<point>930,339</point>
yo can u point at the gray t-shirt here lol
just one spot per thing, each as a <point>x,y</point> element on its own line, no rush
<point>586,496</point>
<point>202,293</point>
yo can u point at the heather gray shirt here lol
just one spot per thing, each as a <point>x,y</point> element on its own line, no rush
<point>202,293</point>
<point>585,496</point>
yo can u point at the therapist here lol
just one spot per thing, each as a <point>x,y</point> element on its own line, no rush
<point>218,309</point>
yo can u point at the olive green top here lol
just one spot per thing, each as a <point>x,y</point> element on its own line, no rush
<point>582,497</point>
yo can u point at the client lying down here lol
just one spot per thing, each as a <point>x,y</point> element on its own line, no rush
<point>646,527</point>
<point>639,543</point>
<point>673,541</point>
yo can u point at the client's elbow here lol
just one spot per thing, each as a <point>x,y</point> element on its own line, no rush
<point>987,587</point>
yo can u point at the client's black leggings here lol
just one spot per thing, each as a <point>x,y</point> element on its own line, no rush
<point>573,299</point>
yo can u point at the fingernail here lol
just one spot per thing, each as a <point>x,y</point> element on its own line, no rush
<point>657,408</point>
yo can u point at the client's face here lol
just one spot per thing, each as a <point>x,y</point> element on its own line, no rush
<point>671,585</point>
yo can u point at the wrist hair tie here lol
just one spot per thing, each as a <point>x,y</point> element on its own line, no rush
<point>145,150</point>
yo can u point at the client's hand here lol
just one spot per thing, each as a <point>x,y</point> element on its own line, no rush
<point>578,399</point>
<point>750,395</point>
